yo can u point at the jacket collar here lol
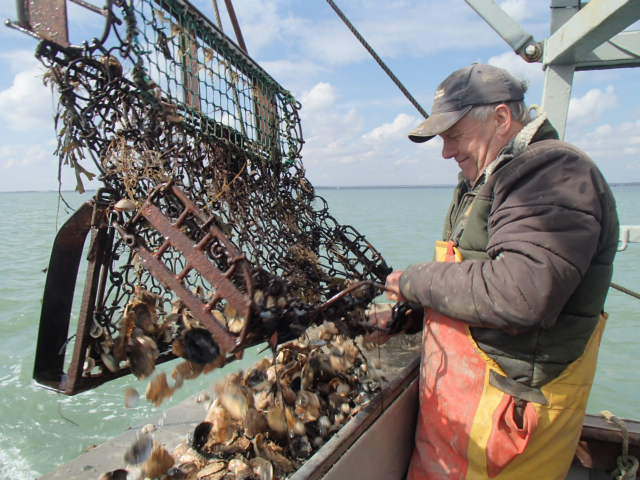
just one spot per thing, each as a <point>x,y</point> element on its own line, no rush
<point>538,129</point>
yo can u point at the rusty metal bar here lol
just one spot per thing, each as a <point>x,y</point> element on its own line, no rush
<point>46,18</point>
<point>100,245</point>
<point>100,11</point>
<point>195,259</point>
<point>57,302</point>
<point>190,77</point>
<point>236,25</point>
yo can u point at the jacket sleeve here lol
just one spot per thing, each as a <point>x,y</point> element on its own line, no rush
<point>543,230</point>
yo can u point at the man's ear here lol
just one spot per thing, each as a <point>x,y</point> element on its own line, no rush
<point>504,119</point>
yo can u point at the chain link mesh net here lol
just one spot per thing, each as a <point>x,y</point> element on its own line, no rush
<point>165,96</point>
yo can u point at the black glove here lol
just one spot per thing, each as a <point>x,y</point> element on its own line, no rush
<point>406,317</point>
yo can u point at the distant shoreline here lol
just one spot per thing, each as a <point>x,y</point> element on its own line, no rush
<point>330,187</point>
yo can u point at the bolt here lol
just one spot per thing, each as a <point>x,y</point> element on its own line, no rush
<point>532,51</point>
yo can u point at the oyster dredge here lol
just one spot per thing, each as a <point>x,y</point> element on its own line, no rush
<point>207,238</point>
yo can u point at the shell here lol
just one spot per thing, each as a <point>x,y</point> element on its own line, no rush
<point>142,353</point>
<point>262,468</point>
<point>131,397</point>
<point>258,297</point>
<point>307,406</point>
<point>263,400</point>
<point>324,425</point>
<point>124,204</point>
<point>277,420</point>
<point>148,428</point>
<point>109,362</point>
<point>139,450</point>
<point>285,408</point>
<point>222,426</point>
<point>201,436</point>
<point>211,471</point>
<point>199,346</point>
<point>185,371</point>
<point>236,324</point>
<point>239,468</point>
<point>254,423</point>
<point>256,379</point>
<point>235,400</point>
<point>272,452</point>
<point>294,425</point>
<point>119,474</point>
<point>300,447</point>
<point>158,389</point>
<point>159,462</point>
<point>202,397</point>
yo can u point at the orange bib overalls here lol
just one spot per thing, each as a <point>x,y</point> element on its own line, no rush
<point>467,428</point>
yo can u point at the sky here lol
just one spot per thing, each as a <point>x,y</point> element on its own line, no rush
<point>354,119</point>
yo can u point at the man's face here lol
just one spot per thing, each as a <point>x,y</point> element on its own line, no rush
<point>471,143</point>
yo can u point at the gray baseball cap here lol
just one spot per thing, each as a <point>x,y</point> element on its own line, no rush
<point>476,84</point>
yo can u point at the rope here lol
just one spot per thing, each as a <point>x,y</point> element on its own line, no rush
<point>375,56</point>
<point>627,464</point>
<point>217,12</point>
<point>625,290</point>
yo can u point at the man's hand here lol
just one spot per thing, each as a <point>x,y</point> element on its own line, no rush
<point>393,286</point>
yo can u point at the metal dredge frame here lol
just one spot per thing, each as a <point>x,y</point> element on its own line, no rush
<point>205,146</point>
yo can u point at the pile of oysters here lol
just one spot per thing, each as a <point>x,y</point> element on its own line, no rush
<point>264,422</point>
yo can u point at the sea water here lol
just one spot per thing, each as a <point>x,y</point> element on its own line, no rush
<point>40,429</point>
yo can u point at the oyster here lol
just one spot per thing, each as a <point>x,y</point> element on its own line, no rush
<point>158,463</point>
<point>263,423</point>
<point>199,346</point>
<point>119,474</point>
<point>235,399</point>
<point>142,353</point>
<point>272,452</point>
<point>158,389</point>
<point>213,471</point>
<point>139,450</point>
<point>131,397</point>
<point>261,468</point>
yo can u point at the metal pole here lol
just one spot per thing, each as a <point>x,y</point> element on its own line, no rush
<point>236,25</point>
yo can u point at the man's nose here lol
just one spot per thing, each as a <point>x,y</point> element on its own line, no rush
<point>448,149</point>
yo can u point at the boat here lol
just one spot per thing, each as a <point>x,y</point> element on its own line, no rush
<point>376,442</point>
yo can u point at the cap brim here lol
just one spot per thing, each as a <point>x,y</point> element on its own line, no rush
<point>436,124</point>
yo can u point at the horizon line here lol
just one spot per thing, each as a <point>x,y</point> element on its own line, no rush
<point>326,187</point>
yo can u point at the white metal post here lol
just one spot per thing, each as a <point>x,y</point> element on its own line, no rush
<point>558,81</point>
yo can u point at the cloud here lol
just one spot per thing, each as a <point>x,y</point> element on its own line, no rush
<point>614,147</point>
<point>592,104</point>
<point>340,149</point>
<point>396,130</point>
<point>517,9</point>
<point>530,72</point>
<point>321,96</point>
<point>261,23</point>
<point>292,73</point>
<point>26,104</point>
<point>33,166</point>
<point>19,60</point>
<point>392,31</point>
<point>19,156</point>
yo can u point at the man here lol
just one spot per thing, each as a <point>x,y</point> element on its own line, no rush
<point>514,299</point>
